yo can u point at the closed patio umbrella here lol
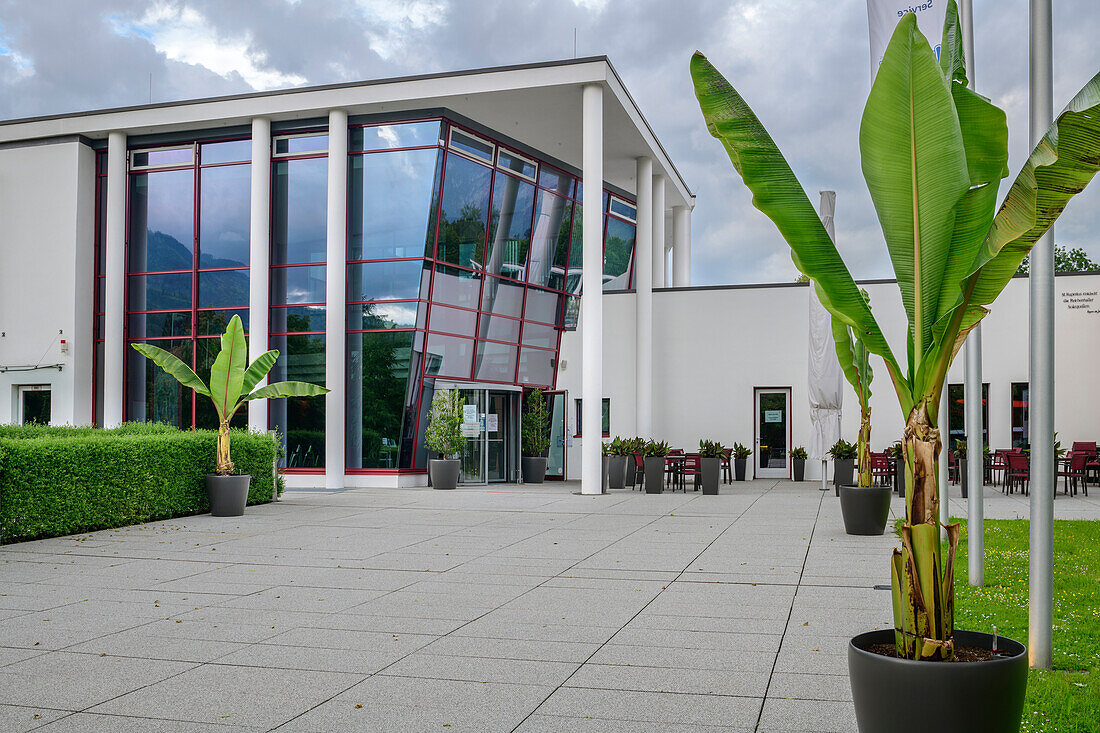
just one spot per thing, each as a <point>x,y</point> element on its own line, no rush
<point>825,376</point>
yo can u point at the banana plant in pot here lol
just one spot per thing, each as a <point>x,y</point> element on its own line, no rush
<point>232,383</point>
<point>535,438</point>
<point>865,508</point>
<point>933,152</point>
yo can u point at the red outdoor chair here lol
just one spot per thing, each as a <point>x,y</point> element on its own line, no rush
<point>727,467</point>
<point>693,468</point>
<point>1075,470</point>
<point>1018,473</point>
<point>998,463</point>
<point>639,472</point>
<point>880,469</point>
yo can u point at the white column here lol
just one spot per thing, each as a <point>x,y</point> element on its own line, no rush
<point>643,287</point>
<point>592,291</point>
<point>259,255</point>
<point>975,475</point>
<point>335,311</point>
<point>114,354</point>
<point>681,249</point>
<point>659,231</point>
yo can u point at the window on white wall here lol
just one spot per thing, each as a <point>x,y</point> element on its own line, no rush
<point>606,418</point>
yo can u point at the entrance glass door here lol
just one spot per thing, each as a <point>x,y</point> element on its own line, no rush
<point>772,432</point>
<point>490,423</point>
<point>473,427</point>
<point>555,460</point>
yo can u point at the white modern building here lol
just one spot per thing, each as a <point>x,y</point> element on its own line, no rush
<point>395,237</point>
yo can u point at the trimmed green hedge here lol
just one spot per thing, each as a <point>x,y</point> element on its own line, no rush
<point>57,480</point>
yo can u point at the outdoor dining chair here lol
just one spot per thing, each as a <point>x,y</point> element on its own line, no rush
<point>1018,473</point>
<point>727,469</point>
<point>881,473</point>
<point>639,472</point>
<point>692,467</point>
<point>1075,470</point>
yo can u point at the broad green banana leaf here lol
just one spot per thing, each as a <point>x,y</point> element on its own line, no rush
<point>286,389</point>
<point>172,365</point>
<point>258,369</point>
<point>952,60</point>
<point>227,373</point>
<point>854,361</point>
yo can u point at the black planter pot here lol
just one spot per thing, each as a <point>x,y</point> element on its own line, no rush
<point>899,479</point>
<point>739,468</point>
<point>227,494</point>
<point>616,472</point>
<point>969,697</point>
<point>534,469</point>
<point>444,472</point>
<point>654,474</point>
<point>865,509</point>
<point>709,468</point>
<point>605,460</point>
<point>844,469</point>
<point>799,467</point>
<point>631,475</point>
<point>962,477</point>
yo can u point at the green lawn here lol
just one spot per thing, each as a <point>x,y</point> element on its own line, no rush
<point>1066,700</point>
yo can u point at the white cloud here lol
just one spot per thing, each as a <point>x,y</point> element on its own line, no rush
<point>183,34</point>
<point>391,21</point>
<point>23,66</point>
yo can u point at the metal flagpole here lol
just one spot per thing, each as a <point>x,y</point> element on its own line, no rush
<point>975,442</point>
<point>1041,389</point>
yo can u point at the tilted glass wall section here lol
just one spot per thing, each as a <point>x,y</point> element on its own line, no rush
<point>299,214</point>
<point>187,270</point>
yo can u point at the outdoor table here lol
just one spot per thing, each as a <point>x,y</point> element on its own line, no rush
<point>674,465</point>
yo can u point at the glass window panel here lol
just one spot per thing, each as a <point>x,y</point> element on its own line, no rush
<point>97,418</point>
<point>379,400</point>
<point>622,208</point>
<point>452,320</point>
<point>543,306</point>
<point>509,227</point>
<point>576,251</point>
<point>206,416</point>
<point>398,280</point>
<point>162,211</point>
<point>464,212</point>
<point>224,216</point>
<point>496,362</point>
<point>173,156</point>
<point>301,144</point>
<point>297,319</point>
<point>499,328</point>
<point>513,162</point>
<point>390,203</point>
<point>153,395</point>
<point>101,226</point>
<point>558,182</point>
<point>372,316</point>
<point>406,135</point>
<point>100,286</point>
<point>572,312</point>
<point>456,287</point>
<point>214,322</point>
<point>1020,396</point>
<point>448,356</point>
<point>618,247</point>
<point>471,145</point>
<point>552,226</point>
<point>300,420</point>
<point>233,151</point>
<point>502,297</point>
<point>299,211</point>
<point>536,367</point>
<point>292,285</point>
<point>160,292</point>
<point>224,289</point>
<point>159,325</point>
<point>573,282</point>
<point>538,334</point>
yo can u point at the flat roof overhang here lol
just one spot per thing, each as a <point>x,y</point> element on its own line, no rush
<point>538,105</point>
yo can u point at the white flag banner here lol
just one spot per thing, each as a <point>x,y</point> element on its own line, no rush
<point>883,17</point>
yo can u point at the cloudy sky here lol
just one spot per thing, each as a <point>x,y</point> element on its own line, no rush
<point>803,65</point>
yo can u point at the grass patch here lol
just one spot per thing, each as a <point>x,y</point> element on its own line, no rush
<point>1066,700</point>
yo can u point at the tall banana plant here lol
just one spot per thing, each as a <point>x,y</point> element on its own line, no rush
<point>232,382</point>
<point>855,361</point>
<point>932,153</point>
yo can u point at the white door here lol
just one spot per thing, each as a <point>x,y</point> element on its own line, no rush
<point>771,456</point>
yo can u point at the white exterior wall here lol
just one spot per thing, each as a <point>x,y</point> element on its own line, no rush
<point>712,347</point>
<point>47,215</point>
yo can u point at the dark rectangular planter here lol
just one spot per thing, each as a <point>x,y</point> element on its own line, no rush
<point>631,477</point>
<point>962,477</point>
<point>739,468</point>
<point>709,468</point>
<point>654,474</point>
<point>899,480</point>
<point>534,469</point>
<point>844,470</point>
<point>799,467</point>
<point>616,472</point>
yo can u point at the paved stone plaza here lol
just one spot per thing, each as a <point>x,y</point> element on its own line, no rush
<point>489,609</point>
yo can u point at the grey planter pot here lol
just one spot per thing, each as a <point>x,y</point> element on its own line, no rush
<point>709,469</point>
<point>798,465</point>
<point>899,480</point>
<point>962,477</point>
<point>631,477</point>
<point>228,494</point>
<point>534,469</point>
<point>970,696</point>
<point>865,509</point>
<point>603,473</point>
<point>739,465</point>
<point>844,470</point>
<point>616,472</point>
<point>654,474</point>
<point>444,472</point>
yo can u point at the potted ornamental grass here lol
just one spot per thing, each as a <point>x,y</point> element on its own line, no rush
<point>739,454</point>
<point>443,436</point>
<point>864,507</point>
<point>232,383</point>
<point>617,454</point>
<point>710,464</point>
<point>535,438</point>
<point>844,455</point>
<point>933,153</point>
<point>798,463</point>
<point>653,457</point>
